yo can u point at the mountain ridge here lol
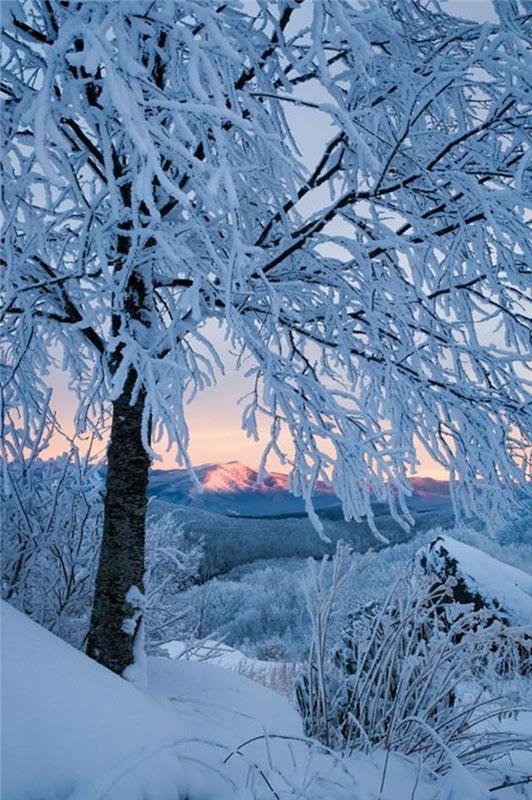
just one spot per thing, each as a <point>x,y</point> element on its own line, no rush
<point>233,488</point>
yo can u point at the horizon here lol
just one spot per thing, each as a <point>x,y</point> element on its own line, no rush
<point>214,419</point>
<point>281,470</point>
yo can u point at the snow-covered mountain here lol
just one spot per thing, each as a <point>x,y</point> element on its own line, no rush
<point>233,488</point>
<point>429,488</point>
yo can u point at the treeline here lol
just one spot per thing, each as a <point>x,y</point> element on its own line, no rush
<point>231,541</point>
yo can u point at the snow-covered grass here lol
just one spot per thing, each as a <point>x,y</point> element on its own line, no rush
<point>71,729</point>
<point>414,673</point>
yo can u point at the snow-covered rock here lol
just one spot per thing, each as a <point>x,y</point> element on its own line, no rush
<point>488,585</point>
<point>481,579</point>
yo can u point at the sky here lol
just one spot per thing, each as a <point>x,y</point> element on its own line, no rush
<point>214,420</point>
<point>214,417</point>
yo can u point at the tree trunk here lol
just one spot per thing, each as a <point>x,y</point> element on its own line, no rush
<point>121,565</point>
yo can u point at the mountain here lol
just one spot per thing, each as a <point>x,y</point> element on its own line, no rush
<point>233,489</point>
<point>429,488</point>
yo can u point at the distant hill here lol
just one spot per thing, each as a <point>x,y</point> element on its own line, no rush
<point>230,541</point>
<point>233,489</point>
<point>430,488</point>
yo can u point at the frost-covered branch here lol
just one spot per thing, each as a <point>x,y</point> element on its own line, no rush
<point>153,181</point>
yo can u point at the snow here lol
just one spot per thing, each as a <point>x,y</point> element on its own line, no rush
<point>235,707</point>
<point>216,653</point>
<point>66,719</point>
<point>71,725</point>
<point>493,579</point>
<point>71,729</point>
<point>277,675</point>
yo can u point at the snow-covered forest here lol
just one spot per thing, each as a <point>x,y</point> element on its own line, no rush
<point>330,198</point>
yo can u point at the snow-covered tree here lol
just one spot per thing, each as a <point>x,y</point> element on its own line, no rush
<point>51,533</point>
<point>153,182</point>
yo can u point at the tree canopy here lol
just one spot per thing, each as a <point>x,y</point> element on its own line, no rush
<point>152,182</point>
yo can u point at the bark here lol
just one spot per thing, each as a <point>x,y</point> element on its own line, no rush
<point>121,563</point>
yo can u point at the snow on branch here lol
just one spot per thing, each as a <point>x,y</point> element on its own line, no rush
<point>154,180</point>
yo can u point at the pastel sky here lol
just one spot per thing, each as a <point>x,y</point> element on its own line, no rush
<point>214,417</point>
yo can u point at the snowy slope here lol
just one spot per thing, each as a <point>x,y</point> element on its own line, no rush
<point>220,655</point>
<point>71,730</point>
<point>66,720</point>
<point>69,724</point>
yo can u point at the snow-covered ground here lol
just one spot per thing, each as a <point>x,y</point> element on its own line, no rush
<point>277,675</point>
<point>216,653</point>
<point>71,729</point>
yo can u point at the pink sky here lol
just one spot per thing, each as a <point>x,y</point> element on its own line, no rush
<point>214,416</point>
<point>214,419</point>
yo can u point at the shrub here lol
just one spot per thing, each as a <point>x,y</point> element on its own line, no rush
<point>396,678</point>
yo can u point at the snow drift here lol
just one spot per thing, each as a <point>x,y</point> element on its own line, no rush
<point>73,730</point>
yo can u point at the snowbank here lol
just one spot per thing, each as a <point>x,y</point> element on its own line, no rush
<point>72,730</point>
<point>277,675</point>
<point>67,721</point>
<point>216,653</point>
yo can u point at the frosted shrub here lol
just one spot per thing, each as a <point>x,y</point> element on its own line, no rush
<point>51,530</point>
<point>271,648</point>
<point>398,676</point>
<point>174,563</point>
<point>52,514</point>
<point>243,609</point>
